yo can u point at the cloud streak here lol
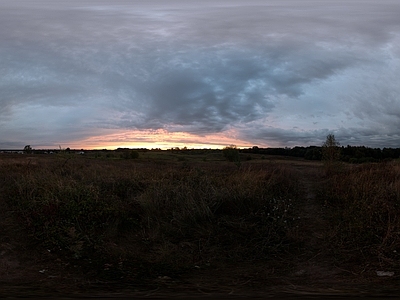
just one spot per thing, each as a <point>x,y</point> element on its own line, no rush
<point>271,73</point>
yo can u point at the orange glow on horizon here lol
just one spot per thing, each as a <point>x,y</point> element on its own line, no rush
<point>161,138</point>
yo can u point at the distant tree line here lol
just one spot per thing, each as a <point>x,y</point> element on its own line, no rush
<point>352,154</point>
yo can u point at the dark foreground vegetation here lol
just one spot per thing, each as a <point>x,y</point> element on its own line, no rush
<point>157,218</point>
<point>364,218</point>
<point>164,215</point>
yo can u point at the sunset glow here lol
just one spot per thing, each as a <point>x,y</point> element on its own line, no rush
<point>158,139</point>
<point>202,74</point>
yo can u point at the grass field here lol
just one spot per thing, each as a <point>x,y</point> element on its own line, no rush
<point>172,215</point>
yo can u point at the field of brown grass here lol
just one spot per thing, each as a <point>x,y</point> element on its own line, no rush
<point>160,225</point>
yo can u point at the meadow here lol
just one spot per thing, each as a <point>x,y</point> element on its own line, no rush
<point>136,220</point>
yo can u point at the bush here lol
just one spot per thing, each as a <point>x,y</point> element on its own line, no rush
<point>131,154</point>
<point>231,153</point>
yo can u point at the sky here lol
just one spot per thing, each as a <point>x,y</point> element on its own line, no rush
<point>201,74</point>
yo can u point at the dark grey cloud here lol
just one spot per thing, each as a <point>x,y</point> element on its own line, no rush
<point>275,72</point>
<point>358,136</point>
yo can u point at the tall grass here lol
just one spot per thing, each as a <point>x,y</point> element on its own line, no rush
<point>365,206</point>
<point>172,216</point>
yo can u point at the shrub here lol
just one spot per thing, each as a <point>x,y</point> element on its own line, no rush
<point>131,154</point>
<point>231,153</point>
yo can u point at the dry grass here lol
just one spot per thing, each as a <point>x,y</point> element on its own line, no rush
<point>365,213</point>
<point>144,218</point>
<point>137,217</point>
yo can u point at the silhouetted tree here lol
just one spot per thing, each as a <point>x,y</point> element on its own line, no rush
<point>28,149</point>
<point>331,153</point>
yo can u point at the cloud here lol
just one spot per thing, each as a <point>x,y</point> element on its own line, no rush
<point>274,73</point>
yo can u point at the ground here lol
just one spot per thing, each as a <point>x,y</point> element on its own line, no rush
<point>27,269</point>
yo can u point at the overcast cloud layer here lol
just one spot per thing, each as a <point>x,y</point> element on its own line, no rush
<point>266,73</point>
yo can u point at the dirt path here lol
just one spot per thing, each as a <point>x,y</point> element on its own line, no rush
<point>315,269</point>
<point>314,262</point>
